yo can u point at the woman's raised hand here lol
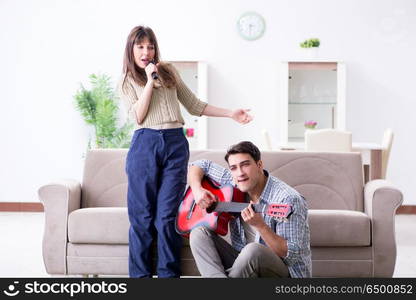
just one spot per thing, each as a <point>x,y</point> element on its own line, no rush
<point>241,116</point>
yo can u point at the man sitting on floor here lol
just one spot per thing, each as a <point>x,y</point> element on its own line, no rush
<point>262,246</point>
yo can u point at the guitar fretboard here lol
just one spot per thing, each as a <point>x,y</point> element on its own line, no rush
<point>236,207</point>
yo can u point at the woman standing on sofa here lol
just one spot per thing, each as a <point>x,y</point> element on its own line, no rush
<point>157,160</point>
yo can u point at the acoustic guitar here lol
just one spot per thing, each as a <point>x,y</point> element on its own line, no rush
<point>230,201</point>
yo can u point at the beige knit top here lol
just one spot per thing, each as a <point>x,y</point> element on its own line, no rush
<point>164,110</point>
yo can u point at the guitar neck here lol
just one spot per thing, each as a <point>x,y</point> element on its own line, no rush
<point>234,207</point>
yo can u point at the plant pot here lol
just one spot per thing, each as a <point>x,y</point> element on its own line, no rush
<point>312,52</point>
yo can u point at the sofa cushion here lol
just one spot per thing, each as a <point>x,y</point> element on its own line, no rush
<point>339,228</point>
<point>99,225</point>
<point>110,225</point>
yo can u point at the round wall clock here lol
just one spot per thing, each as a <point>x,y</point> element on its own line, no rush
<point>251,26</point>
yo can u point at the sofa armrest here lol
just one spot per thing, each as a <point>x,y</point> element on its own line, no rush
<point>381,199</point>
<point>59,199</point>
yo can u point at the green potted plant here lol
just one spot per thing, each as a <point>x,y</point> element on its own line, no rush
<point>314,42</point>
<point>99,108</point>
<point>312,46</point>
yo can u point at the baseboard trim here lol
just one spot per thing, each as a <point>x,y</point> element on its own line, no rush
<point>406,210</point>
<point>38,207</point>
<point>21,206</point>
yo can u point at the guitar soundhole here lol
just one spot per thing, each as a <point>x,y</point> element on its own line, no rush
<point>211,208</point>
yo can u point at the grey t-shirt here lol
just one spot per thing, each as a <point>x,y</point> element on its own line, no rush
<point>249,232</point>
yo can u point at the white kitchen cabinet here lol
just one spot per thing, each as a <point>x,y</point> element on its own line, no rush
<point>311,91</point>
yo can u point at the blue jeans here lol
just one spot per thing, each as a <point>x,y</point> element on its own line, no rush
<point>156,167</point>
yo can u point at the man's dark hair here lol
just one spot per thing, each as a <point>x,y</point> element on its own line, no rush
<point>244,147</point>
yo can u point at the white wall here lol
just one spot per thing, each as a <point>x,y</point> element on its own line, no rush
<point>48,47</point>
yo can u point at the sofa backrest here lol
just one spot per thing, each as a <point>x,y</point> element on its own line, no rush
<point>104,183</point>
<point>326,180</point>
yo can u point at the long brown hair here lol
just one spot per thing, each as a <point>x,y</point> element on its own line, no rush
<point>165,71</point>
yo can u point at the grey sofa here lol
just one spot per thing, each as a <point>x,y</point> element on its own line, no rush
<point>352,225</point>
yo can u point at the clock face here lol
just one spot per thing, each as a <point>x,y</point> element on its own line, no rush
<point>251,26</point>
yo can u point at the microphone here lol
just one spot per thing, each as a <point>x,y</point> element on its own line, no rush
<point>154,74</point>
